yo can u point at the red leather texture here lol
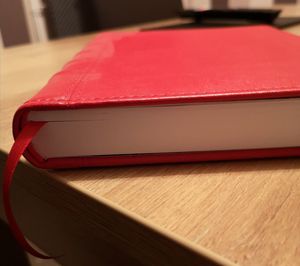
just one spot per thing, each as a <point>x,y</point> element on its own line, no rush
<point>175,66</point>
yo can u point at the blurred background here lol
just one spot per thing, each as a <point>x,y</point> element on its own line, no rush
<point>24,21</point>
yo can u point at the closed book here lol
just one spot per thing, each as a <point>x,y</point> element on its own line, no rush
<point>170,96</point>
<point>166,96</point>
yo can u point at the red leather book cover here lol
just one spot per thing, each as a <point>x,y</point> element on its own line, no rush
<point>171,67</point>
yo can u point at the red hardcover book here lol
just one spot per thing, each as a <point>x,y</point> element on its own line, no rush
<point>165,97</point>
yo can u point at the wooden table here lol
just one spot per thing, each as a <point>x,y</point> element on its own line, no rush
<point>247,212</point>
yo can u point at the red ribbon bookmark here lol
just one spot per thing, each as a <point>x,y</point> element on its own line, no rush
<point>21,143</point>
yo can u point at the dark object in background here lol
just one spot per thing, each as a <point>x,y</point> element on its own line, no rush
<point>286,22</point>
<point>231,18</point>
<point>71,17</point>
<point>259,15</point>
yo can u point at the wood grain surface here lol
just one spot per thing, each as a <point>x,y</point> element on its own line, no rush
<point>245,211</point>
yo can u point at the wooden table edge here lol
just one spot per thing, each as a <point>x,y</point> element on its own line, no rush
<point>117,229</point>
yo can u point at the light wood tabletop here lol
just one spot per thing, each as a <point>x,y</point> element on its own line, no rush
<point>244,212</point>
